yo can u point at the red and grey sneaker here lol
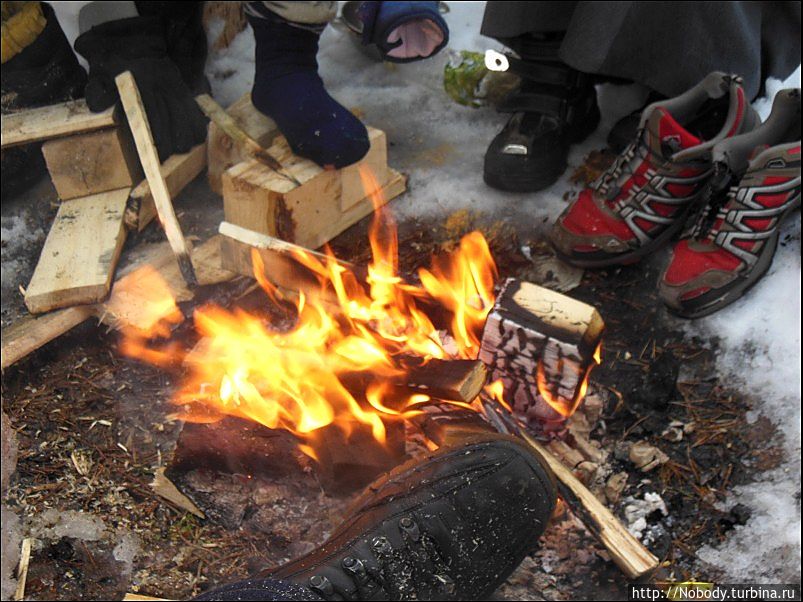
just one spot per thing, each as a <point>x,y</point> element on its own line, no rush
<point>645,196</point>
<point>732,242</point>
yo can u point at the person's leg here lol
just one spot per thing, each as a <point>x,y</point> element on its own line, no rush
<point>669,47</point>
<point>288,89</point>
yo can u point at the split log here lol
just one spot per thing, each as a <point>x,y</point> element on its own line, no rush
<point>349,461</point>
<point>235,446</point>
<point>90,163</point>
<point>141,130</point>
<point>178,171</point>
<point>80,253</point>
<point>327,202</point>
<point>53,121</point>
<point>540,343</point>
<point>224,152</point>
<point>290,276</point>
<point>281,268</point>
<point>450,380</point>
<point>232,16</point>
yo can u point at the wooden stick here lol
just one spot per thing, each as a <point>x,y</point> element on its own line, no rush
<point>22,571</point>
<point>629,554</point>
<point>227,123</point>
<point>143,138</point>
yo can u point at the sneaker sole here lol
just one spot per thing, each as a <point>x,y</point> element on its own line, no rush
<point>634,256</point>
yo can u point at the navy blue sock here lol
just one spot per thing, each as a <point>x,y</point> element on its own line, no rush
<point>287,88</point>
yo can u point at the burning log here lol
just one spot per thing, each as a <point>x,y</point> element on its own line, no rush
<point>450,380</point>
<point>236,446</point>
<point>278,258</point>
<point>541,344</point>
<point>344,461</point>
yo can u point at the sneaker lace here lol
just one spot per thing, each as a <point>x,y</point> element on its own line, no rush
<point>420,555</point>
<point>720,189</point>
<point>609,183</point>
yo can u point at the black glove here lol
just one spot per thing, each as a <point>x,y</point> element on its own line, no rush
<point>138,45</point>
<point>182,23</point>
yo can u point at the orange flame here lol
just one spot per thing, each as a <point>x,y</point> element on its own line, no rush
<point>296,379</point>
<point>567,407</point>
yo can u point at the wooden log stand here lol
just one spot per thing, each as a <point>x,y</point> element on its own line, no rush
<point>93,162</point>
<point>327,202</point>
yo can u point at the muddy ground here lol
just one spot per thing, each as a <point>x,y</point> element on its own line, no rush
<point>92,427</point>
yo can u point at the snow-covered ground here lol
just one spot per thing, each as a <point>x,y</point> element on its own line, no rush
<point>441,145</point>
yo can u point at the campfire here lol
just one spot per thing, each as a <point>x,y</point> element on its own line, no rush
<point>366,361</point>
<point>353,336</point>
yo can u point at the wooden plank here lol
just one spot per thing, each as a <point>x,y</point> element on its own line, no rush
<point>178,171</point>
<point>90,163</point>
<point>143,138</point>
<point>81,251</point>
<point>224,152</point>
<point>31,333</point>
<point>315,212</point>
<point>65,119</point>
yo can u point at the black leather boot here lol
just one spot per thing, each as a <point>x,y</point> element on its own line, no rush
<point>555,107</point>
<point>453,526</point>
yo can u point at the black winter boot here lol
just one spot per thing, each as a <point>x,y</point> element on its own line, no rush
<point>451,527</point>
<point>555,107</point>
